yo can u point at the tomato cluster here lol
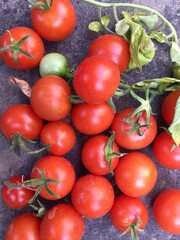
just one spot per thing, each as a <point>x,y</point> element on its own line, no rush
<point>118,173</point>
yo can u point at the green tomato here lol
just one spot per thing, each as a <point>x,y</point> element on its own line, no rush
<point>176,71</point>
<point>53,64</point>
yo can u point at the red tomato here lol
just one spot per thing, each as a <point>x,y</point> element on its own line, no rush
<point>24,227</point>
<point>55,23</point>
<point>56,168</point>
<point>168,106</point>
<point>94,157</point>
<point>114,47</point>
<point>20,118</point>
<point>162,149</point>
<point>62,222</point>
<point>135,174</point>
<point>166,210</point>
<point>17,197</point>
<point>59,135</point>
<point>96,79</point>
<point>32,45</point>
<point>127,212</point>
<point>92,196</point>
<point>50,98</point>
<point>92,119</point>
<point>133,140</point>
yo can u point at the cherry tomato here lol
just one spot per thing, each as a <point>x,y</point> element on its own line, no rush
<point>17,197</point>
<point>168,106</point>
<point>55,22</point>
<point>92,119</point>
<point>166,209</point>
<point>62,222</point>
<point>176,71</point>
<point>92,196</point>
<point>24,227</point>
<point>56,168</point>
<point>53,64</point>
<point>114,47</point>
<point>95,158</point>
<point>21,118</point>
<point>25,56</point>
<point>135,174</point>
<point>164,151</point>
<point>59,135</point>
<point>128,212</point>
<point>133,140</point>
<point>50,98</point>
<point>96,79</point>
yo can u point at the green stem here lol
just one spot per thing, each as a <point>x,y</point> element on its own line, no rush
<point>132,5</point>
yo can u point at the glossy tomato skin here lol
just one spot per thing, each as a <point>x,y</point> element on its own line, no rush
<point>59,135</point>
<point>162,150</point>
<point>133,141</point>
<point>92,196</point>
<point>32,45</point>
<point>21,118</point>
<point>92,119</point>
<point>114,47</point>
<point>168,106</point>
<point>96,79</point>
<point>135,174</point>
<point>93,155</point>
<point>126,211</point>
<point>57,168</point>
<point>50,98</point>
<point>62,222</point>
<point>17,197</point>
<point>24,227</point>
<point>166,210</point>
<point>57,22</point>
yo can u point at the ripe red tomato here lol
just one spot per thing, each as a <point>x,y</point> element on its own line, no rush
<point>56,168</point>
<point>166,209</point>
<point>92,119</point>
<point>59,135</point>
<point>25,226</point>
<point>55,23</point>
<point>116,48</point>
<point>50,98</point>
<point>168,106</point>
<point>127,212</point>
<point>133,140</point>
<point>162,150</point>
<point>96,79</point>
<point>32,45</point>
<point>17,197</point>
<point>62,222</point>
<point>94,156</point>
<point>135,174</point>
<point>20,118</point>
<point>92,196</point>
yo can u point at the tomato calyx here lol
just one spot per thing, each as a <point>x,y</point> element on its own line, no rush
<point>42,6</point>
<point>16,47</point>
<point>133,229</point>
<point>40,209</point>
<point>36,184</point>
<point>109,153</point>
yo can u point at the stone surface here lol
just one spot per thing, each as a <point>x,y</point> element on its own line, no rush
<point>17,13</point>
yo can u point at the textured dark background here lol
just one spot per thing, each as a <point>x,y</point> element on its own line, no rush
<point>15,13</point>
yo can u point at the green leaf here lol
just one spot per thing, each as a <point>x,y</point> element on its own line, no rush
<point>95,26</point>
<point>174,128</point>
<point>158,36</point>
<point>105,20</point>
<point>149,20</point>
<point>175,53</point>
<point>121,27</point>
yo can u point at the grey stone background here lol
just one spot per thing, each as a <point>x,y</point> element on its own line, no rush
<point>15,13</point>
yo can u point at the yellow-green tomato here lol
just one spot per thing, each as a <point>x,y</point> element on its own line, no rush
<point>53,64</point>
